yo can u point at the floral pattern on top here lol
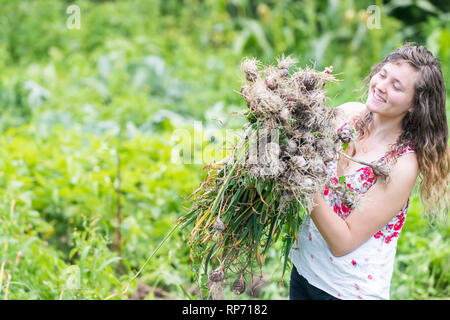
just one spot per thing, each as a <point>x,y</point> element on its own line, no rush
<point>359,182</point>
<point>364,273</point>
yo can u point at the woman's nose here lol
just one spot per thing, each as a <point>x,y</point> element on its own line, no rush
<point>381,85</point>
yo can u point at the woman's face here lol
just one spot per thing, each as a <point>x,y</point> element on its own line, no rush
<point>391,90</point>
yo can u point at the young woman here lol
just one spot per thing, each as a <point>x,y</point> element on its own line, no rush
<point>346,253</point>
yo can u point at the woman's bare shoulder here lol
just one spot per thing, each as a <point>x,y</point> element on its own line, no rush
<point>348,110</point>
<point>407,164</point>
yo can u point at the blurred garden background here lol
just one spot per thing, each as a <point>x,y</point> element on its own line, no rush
<point>89,113</point>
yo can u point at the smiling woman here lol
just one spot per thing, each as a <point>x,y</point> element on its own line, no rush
<point>392,89</point>
<point>348,252</point>
<point>424,124</point>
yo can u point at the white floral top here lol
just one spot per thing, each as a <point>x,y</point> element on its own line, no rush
<point>364,273</point>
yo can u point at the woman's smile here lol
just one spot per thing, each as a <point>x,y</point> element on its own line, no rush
<point>376,97</point>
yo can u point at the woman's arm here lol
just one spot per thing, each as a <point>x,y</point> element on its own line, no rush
<point>380,204</point>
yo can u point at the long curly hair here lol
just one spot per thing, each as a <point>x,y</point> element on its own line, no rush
<point>425,128</point>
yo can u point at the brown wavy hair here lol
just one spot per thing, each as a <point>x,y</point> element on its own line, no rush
<point>425,128</point>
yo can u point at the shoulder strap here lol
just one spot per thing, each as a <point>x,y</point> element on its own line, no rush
<point>352,123</point>
<point>399,151</point>
<point>354,120</point>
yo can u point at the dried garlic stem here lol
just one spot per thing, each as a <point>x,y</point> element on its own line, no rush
<point>378,170</point>
<point>354,160</point>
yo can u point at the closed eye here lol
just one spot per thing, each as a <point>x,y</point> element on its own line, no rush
<point>396,83</point>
